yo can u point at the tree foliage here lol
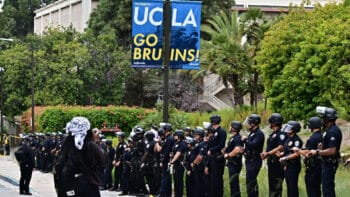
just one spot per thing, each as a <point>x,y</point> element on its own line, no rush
<point>305,61</point>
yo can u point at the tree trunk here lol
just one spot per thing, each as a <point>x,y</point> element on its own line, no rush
<point>237,93</point>
<point>232,101</point>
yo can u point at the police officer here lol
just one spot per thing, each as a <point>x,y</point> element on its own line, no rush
<point>234,158</point>
<point>118,162</point>
<point>178,153</point>
<point>110,151</point>
<point>216,162</point>
<point>291,158</point>
<point>26,164</point>
<point>165,148</point>
<point>197,162</point>
<point>253,147</point>
<point>147,162</point>
<point>313,170</point>
<point>275,144</point>
<point>330,150</point>
<point>139,152</point>
<point>126,159</point>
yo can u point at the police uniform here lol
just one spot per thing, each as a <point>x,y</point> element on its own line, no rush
<point>313,170</point>
<point>148,162</point>
<point>253,147</point>
<point>181,147</point>
<point>165,185</point>
<point>26,167</point>
<point>331,138</point>
<point>293,166</point>
<point>118,170</point>
<point>234,165</point>
<point>217,162</point>
<point>275,169</point>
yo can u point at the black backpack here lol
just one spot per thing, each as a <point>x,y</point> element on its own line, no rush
<point>20,155</point>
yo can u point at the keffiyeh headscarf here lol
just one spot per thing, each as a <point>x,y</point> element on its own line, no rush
<point>78,127</point>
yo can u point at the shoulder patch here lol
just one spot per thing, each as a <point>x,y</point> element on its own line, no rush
<point>332,138</point>
<point>282,137</point>
<point>216,134</point>
<point>324,134</point>
<point>297,143</point>
<point>147,146</point>
<point>290,143</point>
<point>274,135</point>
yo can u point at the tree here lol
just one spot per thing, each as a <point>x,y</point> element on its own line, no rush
<point>304,61</point>
<point>224,54</point>
<point>253,25</point>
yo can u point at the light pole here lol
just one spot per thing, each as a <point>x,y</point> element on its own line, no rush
<point>2,70</point>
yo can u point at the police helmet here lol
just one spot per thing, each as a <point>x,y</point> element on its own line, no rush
<point>161,132</point>
<point>199,131</point>
<point>276,118</point>
<point>180,134</point>
<point>236,125</point>
<point>187,129</point>
<point>139,130</point>
<point>108,142</point>
<point>254,119</point>
<point>149,135</point>
<point>314,122</point>
<point>293,126</point>
<point>120,134</point>
<point>215,119</point>
<point>167,127</point>
<point>190,141</point>
<point>210,129</point>
<point>330,114</point>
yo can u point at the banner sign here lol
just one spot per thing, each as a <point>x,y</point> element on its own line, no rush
<point>185,35</point>
<point>147,34</point>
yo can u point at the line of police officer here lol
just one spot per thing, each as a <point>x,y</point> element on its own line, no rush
<point>201,158</point>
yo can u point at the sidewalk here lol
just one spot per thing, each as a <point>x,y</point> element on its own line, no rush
<point>41,184</point>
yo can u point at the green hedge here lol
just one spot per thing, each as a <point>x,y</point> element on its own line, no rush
<point>54,119</point>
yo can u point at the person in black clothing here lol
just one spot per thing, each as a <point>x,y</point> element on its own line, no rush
<point>313,170</point>
<point>216,161</point>
<point>26,164</point>
<point>82,159</point>
<point>291,158</point>
<point>127,167</point>
<point>233,155</point>
<point>275,144</point>
<point>253,147</point>
<point>110,151</point>
<point>118,162</point>
<point>330,149</point>
<point>147,162</point>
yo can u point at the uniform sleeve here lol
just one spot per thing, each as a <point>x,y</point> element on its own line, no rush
<point>255,142</point>
<point>333,139</point>
<point>182,148</point>
<point>282,139</point>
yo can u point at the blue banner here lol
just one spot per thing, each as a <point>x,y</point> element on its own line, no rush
<point>185,35</point>
<point>147,31</point>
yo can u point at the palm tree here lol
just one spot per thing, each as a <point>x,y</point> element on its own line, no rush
<point>253,26</point>
<point>224,55</point>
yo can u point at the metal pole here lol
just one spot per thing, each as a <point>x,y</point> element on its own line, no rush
<point>32,72</point>
<point>166,51</point>
<point>2,100</point>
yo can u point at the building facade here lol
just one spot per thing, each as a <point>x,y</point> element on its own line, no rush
<point>64,13</point>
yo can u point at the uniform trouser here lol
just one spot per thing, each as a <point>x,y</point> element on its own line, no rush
<point>178,179</point>
<point>108,176</point>
<point>190,185</point>
<point>26,175</point>
<point>157,177</point>
<point>125,179</point>
<point>165,183</point>
<point>328,174</point>
<point>7,149</point>
<point>150,179</point>
<point>118,171</point>
<point>276,176</point>
<point>313,177</point>
<point>252,167</point>
<point>292,174</point>
<point>217,167</point>
<point>233,171</point>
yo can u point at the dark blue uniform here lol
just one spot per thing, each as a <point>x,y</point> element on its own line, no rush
<point>253,147</point>
<point>217,162</point>
<point>234,165</point>
<point>197,172</point>
<point>165,184</point>
<point>179,146</point>
<point>118,170</point>
<point>126,158</point>
<point>313,170</point>
<point>331,138</point>
<point>275,169</point>
<point>293,166</point>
